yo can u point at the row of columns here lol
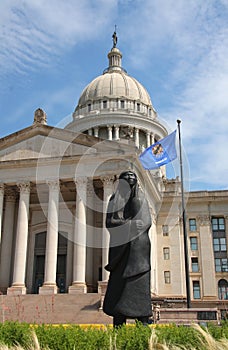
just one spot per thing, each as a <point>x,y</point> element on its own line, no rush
<point>79,253</point>
<point>114,131</point>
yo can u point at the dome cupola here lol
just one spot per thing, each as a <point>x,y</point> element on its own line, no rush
<point>114,56</point>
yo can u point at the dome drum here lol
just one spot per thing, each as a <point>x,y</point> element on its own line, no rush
<point>124,133</point>
<point>121,104</point>
<point>121,126</point>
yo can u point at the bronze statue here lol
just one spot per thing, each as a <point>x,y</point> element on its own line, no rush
<point>128,221</point>
<point>114,39</point>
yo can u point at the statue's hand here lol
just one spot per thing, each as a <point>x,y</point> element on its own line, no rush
<point>117,221</point>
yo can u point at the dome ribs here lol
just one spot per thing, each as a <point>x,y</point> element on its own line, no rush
<point>126,84</point>
<point>111,86</point>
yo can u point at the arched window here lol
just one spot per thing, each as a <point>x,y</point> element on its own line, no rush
<point>223,289</point>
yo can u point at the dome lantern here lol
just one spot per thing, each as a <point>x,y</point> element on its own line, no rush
<point>114,56</point>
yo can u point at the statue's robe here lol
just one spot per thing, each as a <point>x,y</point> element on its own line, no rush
<point>128,290</point>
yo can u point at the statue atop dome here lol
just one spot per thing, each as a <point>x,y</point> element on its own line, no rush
<point>114,38</point>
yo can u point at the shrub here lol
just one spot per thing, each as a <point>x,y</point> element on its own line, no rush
<point>72,337</point>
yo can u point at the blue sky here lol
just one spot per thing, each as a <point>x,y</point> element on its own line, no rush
<point>178,49</point>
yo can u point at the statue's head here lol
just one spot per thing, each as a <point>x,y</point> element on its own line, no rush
<point>129,176</point>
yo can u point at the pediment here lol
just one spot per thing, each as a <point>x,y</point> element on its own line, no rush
<point>43,142</point>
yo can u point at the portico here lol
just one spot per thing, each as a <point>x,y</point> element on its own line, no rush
<point>54,238</point>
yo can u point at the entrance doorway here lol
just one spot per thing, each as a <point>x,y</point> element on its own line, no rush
<point>39,262</point>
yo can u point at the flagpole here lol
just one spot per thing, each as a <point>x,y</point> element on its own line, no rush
<point>187,278</point>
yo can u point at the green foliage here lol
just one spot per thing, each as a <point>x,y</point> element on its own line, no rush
<point>132,338</point>
<point>218,332</point>
<point>178,335</point>
<point>74,337</point>
<point>14,333</point>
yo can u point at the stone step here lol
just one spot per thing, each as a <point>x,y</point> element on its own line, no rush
<point>60,308</point>
<point>75,309</point>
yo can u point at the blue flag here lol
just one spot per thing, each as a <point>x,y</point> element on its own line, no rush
<point>160,153</point>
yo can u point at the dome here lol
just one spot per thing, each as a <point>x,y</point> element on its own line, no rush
<point>114,83</point>
<point>115,106</point>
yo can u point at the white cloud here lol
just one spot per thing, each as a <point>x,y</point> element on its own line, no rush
<point>32,32</point>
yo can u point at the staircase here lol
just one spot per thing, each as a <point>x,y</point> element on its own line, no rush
<point>82,309</point>
<point>53,309</point>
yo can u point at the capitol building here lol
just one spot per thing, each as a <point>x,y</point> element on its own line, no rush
<point>55,184</point>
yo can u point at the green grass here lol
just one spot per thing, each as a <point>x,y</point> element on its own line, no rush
<point>21,336</point>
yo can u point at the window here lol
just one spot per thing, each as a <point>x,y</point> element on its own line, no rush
<point>196,290</point>
<point>138,107</point>
<point>221,265</point>
<point>167,277</point>
<point>193,243</point>
<point>165,230</point>
<point>192,224</point>
<point>219,244</point>
<point>89,107</point>
<point>206,315</point>
<point>104,104</point>
<point>166,253</point>
<point>223,289</point>
<point>218,224</point>
<point>195,265</point>
<point>122,104</point>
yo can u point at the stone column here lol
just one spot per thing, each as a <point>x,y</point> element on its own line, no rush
<point>107,192</point>
<point>208,286</point>
<point>1,209</point>
<point>49,286</point>
<point>90,132</point>
<point>79,254</point>
<point>18,287</point>
<point>90,236</point>
<point>148,140</point>
<point>137,137</point>
<point>7,239</point>
<point>152,138</point>
<point>109,127</point>
<point>117,130</point>
<point>96,132</point>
